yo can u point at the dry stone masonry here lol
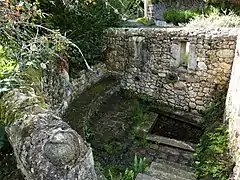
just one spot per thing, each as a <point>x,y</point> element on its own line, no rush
<point>182,68</point>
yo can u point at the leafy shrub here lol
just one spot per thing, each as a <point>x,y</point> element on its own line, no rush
<point>215,21</point>
<point>27,51</point>
<point>222,5</point>
<point>84,23</point>
<point>145,21</point>
<point>212,157</point>
<point>176,16</point>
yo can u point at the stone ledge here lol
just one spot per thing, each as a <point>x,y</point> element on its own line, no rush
<point>148,124</point>
<point>171,142</point>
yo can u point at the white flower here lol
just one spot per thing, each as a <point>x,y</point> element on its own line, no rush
<point>43,66</point>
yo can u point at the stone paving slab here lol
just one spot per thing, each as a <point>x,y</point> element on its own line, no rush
<point>147,125</point>
<point>145,177</point>
<point>176,165</point>
<point>172,170</point>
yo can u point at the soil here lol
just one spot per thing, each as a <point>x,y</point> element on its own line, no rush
<point>8,165</point>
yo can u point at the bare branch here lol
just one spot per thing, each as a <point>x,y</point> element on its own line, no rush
<point>57,32</point>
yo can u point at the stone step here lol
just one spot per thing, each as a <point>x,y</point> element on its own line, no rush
<point>141,176</point>
<point>175,165</point>
<point>161,176</point>
<point>167,171</point>
<point>171,142</point>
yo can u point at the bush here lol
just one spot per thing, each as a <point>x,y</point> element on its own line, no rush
<point>83,23</point>
<point>176,16</point>
<point>216,21</point>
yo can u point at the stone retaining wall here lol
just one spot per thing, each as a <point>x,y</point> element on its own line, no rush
<point>156,62</point>
<point>60,90</point>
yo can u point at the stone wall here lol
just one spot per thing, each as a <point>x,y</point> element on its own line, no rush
<point>60,90</point>
<point>44,145</point>
<point>156,10</point>
<point>181,68</point>
<point>232,111</point>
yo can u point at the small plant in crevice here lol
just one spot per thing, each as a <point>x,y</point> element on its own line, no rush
<point>212,157</point>
<point>138,117</point>
<point>139,166</point>
<point>88,133</point>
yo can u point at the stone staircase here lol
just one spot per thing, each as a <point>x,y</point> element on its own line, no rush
<point>166,170</point>
<point>172,158</point>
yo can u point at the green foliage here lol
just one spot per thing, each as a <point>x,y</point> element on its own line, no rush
<point>88,133</point>
<point>139,117</point>
<point>26,46</point>
<point>223,5</point>
<point>212,157</point>
<point>26,51</point>
<point>214,111</point>
<point>212,154</point>
<point>7,66</point>
<point>176,16</point>
<point>139,166</point>
<point>145,21</point>
<point>138,113</point>
<point>83,22</point>
<point>216,20</point>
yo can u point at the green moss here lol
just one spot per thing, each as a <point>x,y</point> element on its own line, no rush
<point>98,88</point>
<point>114,147</point>
<point>31,75</point>
<point>29,84</point>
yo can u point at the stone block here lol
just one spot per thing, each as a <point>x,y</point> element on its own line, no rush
<point>180,85</point>
<point>225,53</point>
<point>192,105</point>
<point>202,66</point>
